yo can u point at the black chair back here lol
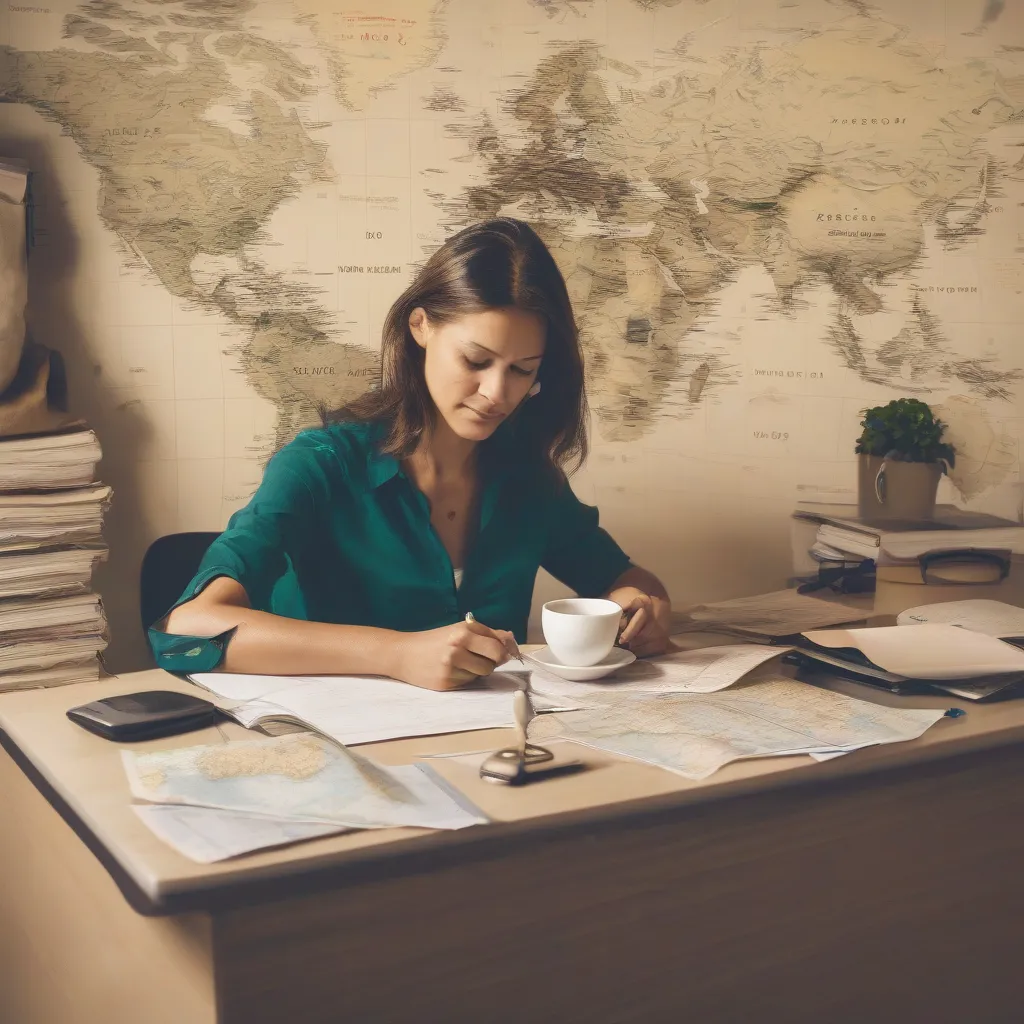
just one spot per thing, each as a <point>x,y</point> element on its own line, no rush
<point>168,565</point>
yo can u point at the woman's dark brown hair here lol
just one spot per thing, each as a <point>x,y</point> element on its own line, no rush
<point>496,264</point>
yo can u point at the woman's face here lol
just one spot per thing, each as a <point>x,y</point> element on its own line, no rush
<point>480,367</point>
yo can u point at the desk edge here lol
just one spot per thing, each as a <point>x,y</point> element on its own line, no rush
<point>431,850</point>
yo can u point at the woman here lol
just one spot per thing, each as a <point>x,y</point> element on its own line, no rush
<point>438,494</point>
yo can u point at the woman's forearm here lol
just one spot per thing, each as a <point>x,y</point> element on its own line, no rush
<point>645,581</point>
<point>268,644</point>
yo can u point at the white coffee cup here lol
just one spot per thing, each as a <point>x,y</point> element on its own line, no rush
<point>580,631</point>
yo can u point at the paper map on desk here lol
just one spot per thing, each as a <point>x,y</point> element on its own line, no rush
<point>700,671</point>
<point>300,776</point>
<point>696,734</point>
<point>208,834</point>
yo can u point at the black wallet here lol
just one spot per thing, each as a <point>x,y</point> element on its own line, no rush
<point>145,715</point>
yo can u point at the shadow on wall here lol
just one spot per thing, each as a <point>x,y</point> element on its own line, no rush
<point>55,274</point>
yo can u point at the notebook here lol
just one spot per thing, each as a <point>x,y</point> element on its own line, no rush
<point>909,658</point>
<point>841,529</point>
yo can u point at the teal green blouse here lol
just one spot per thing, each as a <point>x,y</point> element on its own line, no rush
<point>337,532</point>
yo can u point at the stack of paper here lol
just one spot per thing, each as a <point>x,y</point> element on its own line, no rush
<point>47,462</point>
<point>219,800</point>
<point>56,573</point>
<point>47,642</point>
<point>37,520</point>
<point>932,651</point>
<point>52,627</point>
<point>695,734</point>
<point>947,657</point>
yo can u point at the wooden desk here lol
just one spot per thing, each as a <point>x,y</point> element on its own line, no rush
<point>883,885</point>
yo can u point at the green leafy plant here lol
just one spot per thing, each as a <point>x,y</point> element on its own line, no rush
<point>905,430</point>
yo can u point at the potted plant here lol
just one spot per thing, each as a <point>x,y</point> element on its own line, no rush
<point>901,458</point>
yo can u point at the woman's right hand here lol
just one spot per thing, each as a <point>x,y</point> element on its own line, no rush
<point>452,656</point>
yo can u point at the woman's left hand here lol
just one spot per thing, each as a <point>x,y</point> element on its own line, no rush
<point>646,629</point>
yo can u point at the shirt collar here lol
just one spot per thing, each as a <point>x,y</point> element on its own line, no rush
<point>380,468</point>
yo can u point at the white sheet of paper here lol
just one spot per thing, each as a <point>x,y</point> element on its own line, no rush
<point>780,613</point>
<point>696,734</point>
<point>206,834</point>
<point>301,776</point>
<point>993,618</point>
<point>700,671</point>
<point>926,651</point>
<point>365,709</point>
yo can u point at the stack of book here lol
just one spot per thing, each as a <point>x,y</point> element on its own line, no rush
<point>52,627</point>
<point>834,533</point>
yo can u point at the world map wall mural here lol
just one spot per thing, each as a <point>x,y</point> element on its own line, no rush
<point>769,216</point>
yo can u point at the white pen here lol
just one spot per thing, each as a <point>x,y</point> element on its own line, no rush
<point>522,702</point>
<point>513,653</point>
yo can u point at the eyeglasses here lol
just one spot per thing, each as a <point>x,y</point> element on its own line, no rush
<point>966,566</point>
<point>957,567</point>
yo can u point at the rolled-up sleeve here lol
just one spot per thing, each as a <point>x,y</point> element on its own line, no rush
<point>254,549</point>
<point>579,552</point>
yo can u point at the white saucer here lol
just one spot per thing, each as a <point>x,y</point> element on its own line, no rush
<point>618,658</point>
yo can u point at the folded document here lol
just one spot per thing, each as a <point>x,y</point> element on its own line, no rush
<point>929,651</point>
<point>301,778</point>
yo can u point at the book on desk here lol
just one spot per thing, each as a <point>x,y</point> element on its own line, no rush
<point>907,562</point>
